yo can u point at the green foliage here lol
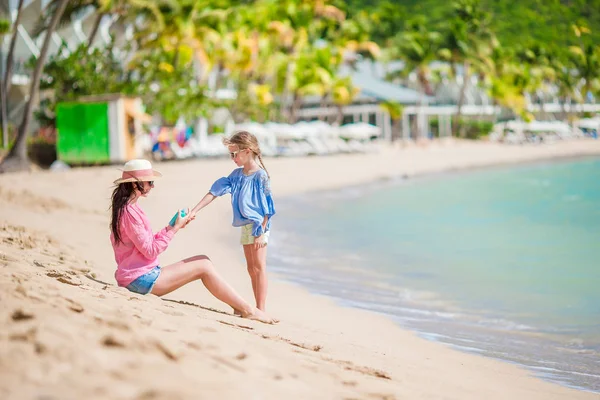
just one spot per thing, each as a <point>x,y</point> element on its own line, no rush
<point>472,129</point>
<point>84,72</point>
<point>524,22</point>
<point>166,89</point>
<point>4,26</point>
<point>273,53</point>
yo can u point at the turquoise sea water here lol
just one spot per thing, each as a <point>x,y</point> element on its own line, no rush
<point>504,262</point>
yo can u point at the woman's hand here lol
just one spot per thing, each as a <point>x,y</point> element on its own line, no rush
<point>181,222</point>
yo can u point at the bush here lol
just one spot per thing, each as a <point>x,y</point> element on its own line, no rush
<point>41,151</point>
<point>473,129</point>
<point>476,129</point>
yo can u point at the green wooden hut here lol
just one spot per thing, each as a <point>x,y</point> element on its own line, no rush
<point>99,129</point>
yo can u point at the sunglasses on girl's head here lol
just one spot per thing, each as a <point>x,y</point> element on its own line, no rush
<point>235,153</point>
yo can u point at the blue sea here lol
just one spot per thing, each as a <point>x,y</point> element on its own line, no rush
<point>503,262</point>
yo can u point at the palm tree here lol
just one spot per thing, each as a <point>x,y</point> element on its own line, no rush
<point>343,93</point>
<point>468,42</point>
<point>122,8</point>
<point>395,111</point>
<point>418,47</point>
<point>538,58</point>
<point>4,29</point>
<point>566,80</point>
<point>586,59</point>
<point>17,157</point>
<point>7,82</point>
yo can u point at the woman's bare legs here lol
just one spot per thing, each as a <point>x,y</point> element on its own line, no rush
<point>256,261</point>
<point>190,269</point>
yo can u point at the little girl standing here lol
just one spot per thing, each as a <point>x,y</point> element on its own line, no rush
<point>252,206</point>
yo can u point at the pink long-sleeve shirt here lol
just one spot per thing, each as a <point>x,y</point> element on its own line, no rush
<point>138,252</point>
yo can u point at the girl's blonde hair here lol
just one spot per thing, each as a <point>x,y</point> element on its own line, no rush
<point>245,140</point>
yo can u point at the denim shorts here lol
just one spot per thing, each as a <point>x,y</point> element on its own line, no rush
<point>145,283</point>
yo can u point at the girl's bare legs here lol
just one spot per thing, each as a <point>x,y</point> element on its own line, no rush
<point>190,269</point>
<point>256,260</point>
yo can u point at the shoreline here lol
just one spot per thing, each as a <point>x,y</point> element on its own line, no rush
<point>320,350</point>
<point>387,181</point>
<point>348,191</point>
<point>393,179</point>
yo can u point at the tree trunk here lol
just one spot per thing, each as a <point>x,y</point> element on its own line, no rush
<point>17,159</point>
<point>461,100</point>
<point>396,134</point>
<point>288,73</point>
<point>11,50</point>
<point>4,115</point>
<point>176,55</point>
<point>322,106</point>
<point>420,106</point>
<point>542,108</point>
<point>7,76</point>
<point>220,69</point>
<point>3,107</point>
<point>340,115</point>
<point>95,29</point>
<point>563,108</point>
<point>297,101</point>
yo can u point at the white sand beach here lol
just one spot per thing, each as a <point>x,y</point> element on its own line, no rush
<point>67,336</point>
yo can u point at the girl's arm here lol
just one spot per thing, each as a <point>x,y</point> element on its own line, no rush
<point>260,240</point>
<point>219,188</point>
<point>264,223</point>
<point>206,200</point>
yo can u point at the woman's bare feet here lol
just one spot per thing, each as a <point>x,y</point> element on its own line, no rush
<point>239,314</point>
<point>261,316</point>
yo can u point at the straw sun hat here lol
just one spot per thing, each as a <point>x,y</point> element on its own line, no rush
<point>138,171</point>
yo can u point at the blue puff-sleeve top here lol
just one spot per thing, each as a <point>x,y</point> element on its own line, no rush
<point>250,198</point>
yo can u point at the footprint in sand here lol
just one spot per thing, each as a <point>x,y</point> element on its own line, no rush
<point>174,313</point>
<point>113,324</point>
<point>111,341</point>
<point>315,348</point>
<point>67,278</point>
<point>74,306</point>
<point>27,336</point>
<point>20,315</point>
<point>349,366</point>
<point>5,259</point>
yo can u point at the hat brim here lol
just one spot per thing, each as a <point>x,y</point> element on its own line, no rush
<point>155,175</point>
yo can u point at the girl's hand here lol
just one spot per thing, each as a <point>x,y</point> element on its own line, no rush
<point>190,218</point>
<point>259,242</point>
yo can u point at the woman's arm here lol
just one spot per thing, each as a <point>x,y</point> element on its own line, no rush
<point>148,244</point>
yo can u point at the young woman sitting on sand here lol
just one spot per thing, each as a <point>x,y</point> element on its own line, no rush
<point>137,248</point>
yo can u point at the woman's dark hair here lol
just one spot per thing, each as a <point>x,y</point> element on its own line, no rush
<point>120,198</point>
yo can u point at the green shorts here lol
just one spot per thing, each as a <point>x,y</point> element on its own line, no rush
<point>247,237</point>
